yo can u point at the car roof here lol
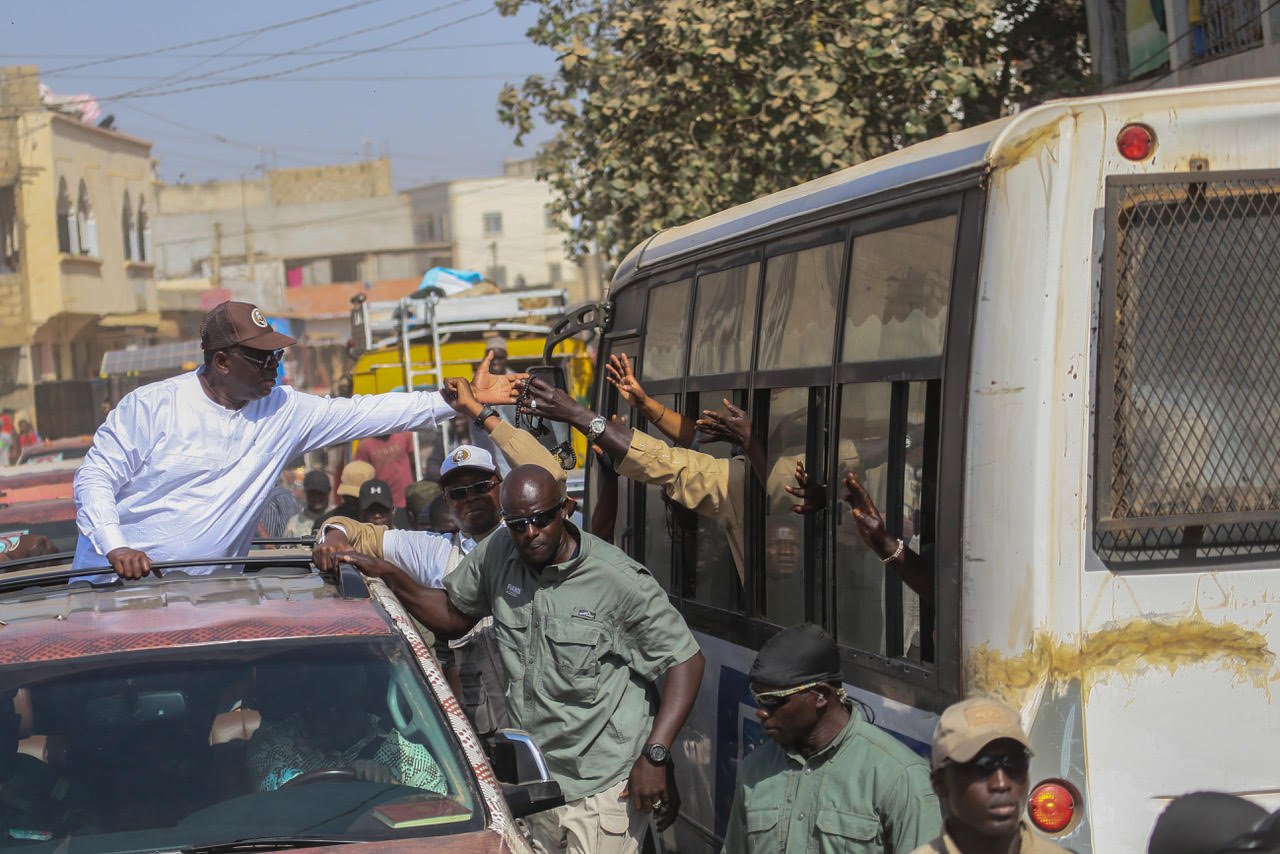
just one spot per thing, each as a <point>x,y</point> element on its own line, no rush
<point>55,623</point>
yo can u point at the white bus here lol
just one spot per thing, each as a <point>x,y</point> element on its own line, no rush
<point>1049,346</point>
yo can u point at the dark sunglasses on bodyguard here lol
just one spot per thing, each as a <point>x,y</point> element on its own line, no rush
<point>1016,765</point>
<point>261,359</point>
<point>458,493</point>
<point>539,520</point>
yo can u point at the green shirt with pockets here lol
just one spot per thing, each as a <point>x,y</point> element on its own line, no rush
<point>864,792</point>
<point>580,642</point>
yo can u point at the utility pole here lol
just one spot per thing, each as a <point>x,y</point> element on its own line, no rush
<point>216,261</point>
<point>493,247</point>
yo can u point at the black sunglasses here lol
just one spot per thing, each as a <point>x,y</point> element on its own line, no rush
<point>263,359</point>
<point>457,493</point>
<point>541,519</point>
<point>1014,764</point>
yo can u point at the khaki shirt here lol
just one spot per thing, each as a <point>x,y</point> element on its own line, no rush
<point>579,642</point>
<point>1032,843</point>
<point>707,485</point>
<point>864,792</point>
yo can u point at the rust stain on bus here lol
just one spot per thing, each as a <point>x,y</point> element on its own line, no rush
<point>1122,649</point>
<point>1016,150</point>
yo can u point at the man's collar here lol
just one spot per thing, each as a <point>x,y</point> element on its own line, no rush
<point>822,753</point>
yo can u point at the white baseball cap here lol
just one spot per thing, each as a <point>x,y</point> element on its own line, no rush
<point>467,457</point>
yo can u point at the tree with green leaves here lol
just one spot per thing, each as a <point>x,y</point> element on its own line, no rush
<point>668,110</point>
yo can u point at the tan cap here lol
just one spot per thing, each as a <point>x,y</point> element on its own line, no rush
<point>970,725</point>
<point>354,474</point>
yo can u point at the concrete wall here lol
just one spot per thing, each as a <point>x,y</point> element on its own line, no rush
<point>365,180</point>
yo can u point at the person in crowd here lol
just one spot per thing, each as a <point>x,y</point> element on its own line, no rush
<point>825,770</point>
<point>392,459</point>
<point>277,510</point>
<point>8,443</point>
<point>27,435</point>
<point>29,545</point>
<point>498,347</point>
<point>375,502</point>
<point>315,493</point>
<point>182,467</point>
<point>417,497</point>
<point>335,731</point>
<point>585,630</point>
<point>439,518</point>
<point>1215,823</point>
<point>37,802</point>
<point>354,475</point>
<point>981,761</point>
<point>470,479</point>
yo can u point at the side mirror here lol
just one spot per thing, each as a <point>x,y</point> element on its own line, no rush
<point>552,375</point>
<point>520,768</point>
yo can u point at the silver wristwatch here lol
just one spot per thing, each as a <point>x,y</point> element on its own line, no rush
<point>595,428</point>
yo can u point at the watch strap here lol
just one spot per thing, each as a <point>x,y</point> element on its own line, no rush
<point>485,414</point>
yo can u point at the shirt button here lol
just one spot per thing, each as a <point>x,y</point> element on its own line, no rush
<point>808,771</point>
<point>802,816</point>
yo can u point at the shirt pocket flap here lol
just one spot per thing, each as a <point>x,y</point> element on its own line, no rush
<point>574,633</point>
<point>848,825</point>
<point>762,820</point>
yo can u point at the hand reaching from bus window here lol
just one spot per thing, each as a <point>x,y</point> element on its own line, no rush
<point>553,404</point>
<point>459,394</point>
<point>915,571</point>
<point>867,517</point>
<point>495,389</point>
<point>618,372</point>
<point>731,425</point>
<point>813,496</point>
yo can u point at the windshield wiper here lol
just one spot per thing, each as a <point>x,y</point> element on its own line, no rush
<point>264,843</point>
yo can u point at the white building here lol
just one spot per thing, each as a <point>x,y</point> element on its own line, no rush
<point>502,227</point>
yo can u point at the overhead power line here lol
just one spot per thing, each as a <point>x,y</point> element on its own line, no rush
<point>256,31</point>
<point>241,54</point>
<point>296,51</point>
<point>275,74</point>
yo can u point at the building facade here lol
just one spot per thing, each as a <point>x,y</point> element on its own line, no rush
<point>503,228</point>
<point>1139,44</point>
<point>77,205</point>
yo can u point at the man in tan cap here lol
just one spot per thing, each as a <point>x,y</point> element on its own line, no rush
<point>182,467</point>
<point>980,764</point>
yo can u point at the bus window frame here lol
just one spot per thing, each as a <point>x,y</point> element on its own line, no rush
<point>938,683</point>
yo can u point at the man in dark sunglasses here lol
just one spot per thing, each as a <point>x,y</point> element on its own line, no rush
<point>469,481</point>
<point>827,775</point>
<point>182,467</point>
<point>583,631</point>
<point>981,761</point>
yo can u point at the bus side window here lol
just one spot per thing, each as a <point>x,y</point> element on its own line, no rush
<point>790,555</point>
<point>665,522</point>
<point>886,433</point>
<point>798,321</point>
<point>712,573</point>
<point>613,404</point>
<point>666,325</point>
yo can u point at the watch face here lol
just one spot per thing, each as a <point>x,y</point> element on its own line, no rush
<point>657,753</point>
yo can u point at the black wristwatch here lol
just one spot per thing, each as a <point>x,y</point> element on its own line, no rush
<point>656,753</point>
<point>485,414</point>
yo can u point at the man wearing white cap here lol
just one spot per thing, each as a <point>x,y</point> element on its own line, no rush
<point>469,478</point>
<point>981,760</point>
<point>181,467</point>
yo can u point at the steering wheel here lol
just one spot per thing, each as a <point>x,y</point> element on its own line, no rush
<point>320,775</point>
<point>406,725</point>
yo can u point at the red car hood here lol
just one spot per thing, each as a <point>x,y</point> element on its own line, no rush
<point>480,842</point>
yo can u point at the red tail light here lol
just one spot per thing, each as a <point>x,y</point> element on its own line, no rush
<point>1136,142</point>
<point>1053,806</point>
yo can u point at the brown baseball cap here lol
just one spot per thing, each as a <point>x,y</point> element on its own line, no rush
<point>970,725</point>
<point>354,474</point>
<point>230,323</point>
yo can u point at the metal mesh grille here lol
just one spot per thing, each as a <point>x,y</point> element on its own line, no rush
<point>1189,429</point>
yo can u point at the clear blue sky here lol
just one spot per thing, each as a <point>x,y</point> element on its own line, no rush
<point>441,125</point>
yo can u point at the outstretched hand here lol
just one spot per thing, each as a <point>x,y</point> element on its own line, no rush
<point>868,518</point>
<point>495,389</point>
<point>813,497</point>
<point>618,372</point>
<point>731,425</point>
<point>549,402</point>
<point>459,394</point>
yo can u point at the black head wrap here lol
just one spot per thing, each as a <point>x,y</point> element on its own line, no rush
<point>797,656</point>
<point>1206,823</point>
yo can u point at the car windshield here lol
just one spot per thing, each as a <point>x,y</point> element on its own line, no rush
<point>321,739</point>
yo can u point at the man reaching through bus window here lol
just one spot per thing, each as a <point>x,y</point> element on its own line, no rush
<point>829,781</point>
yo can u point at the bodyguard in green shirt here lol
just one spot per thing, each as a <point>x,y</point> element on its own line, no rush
<point>582,629</point>
<point>829,782</point>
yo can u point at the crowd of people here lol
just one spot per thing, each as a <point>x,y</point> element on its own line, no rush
<point>545,625</point>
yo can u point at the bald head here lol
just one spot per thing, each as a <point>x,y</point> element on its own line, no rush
<point>528,483</point>
<point>535,515</point>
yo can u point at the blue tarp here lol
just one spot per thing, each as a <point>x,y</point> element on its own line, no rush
<point>452,282</point>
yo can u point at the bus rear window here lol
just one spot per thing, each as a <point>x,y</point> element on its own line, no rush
<point>1189,365</point>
